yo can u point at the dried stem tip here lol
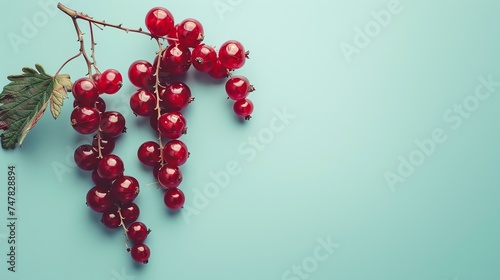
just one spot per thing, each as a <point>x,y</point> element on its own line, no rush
<point>66,10</point>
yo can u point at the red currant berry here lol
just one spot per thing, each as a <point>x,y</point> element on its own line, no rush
<point>86,157</point>
<point>110,167</point>
<point>107,145</point>
<point>100,182</point>
<point>219,71</point>
<point>130,212</point>
<point>169,176</point>
<point>99,199</point>
<point>232,54</point>
<point>204,58</point>
<point>96,77</point>
<point>125,189</point>
<point>85,91</point>
<point>176,60</point>
<point>179,115</point>
<point>174,199</point>
<point>141,74</point>
<point>238,87</point>
<point>99,104</point>
<point>171,126</point>
<point>156,169</point>
<point>112,124</point>
<point>153,121</point>
<point>190,33</point>
<point>110,82</point>
<point>85,120</point>
<point>111,218</point>
<point>140,253</point>
<point>173,37</point>
<point>149,153</point>
<point>159,21</point>
<point>243,108</point>
<point>137,232</point>
<point>175,152</point>
<point>143,102</point>
<point>176,96</point>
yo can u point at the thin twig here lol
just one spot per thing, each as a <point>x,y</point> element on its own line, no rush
<point>157,93</point>
<point>82,47</point>
<point>67,61</point>
<point>125,230</point>
<point>76,15</point>
<point>92,42</point>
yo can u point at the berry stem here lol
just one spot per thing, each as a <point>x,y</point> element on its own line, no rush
<point>157,93</point>
<point>80,52</point>
<point>122,224</point>
<point>82,48</point>
<point>76,15</point>
<point>98,23</point>
<point>93,44</point>
<point>99,147</point>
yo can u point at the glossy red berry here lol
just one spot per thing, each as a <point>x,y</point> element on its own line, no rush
<point>110,167</point>
<point>172,36</point>
<point>110,81</point>
<point>176,96</point>
<point>153,121</point>
<point>140,253</point>
<point>107,145</point>
<point>232,54</point>
<point>159,21</point>
<point>169,176</point>
<point>111,218</point>
<point>86,157</point>
<point>204,58</point>
<point>96,77</point>
<point>171,125</point>
<point>238,87</point>
<point>101,182</point>
<point>99,199</point>
<point>149,153</point>
<point>243,108</point>
<point>179,115</point>
<point>141,74</point>
<point>143,102</point>
<point>219,71</point>
<point>125,189</point>
<point>99,104</point>
<point>130,212</point>
<point>175,153</point>
<point>137,232</point>
<point>85,120</point>
<point>176,60</point>
<point>174,199</point>
<point>112,124</point>
<point>156,169</point>
<point>190,32</point>
<point>85,91</point>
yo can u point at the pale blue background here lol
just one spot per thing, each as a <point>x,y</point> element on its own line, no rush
<point>322,175</point>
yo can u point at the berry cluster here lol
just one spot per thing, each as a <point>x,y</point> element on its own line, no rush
<point>162,99</point>
<point>186,48</point>
<point>113,192</point>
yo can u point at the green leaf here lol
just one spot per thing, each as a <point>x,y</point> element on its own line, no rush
<point>24,100</point>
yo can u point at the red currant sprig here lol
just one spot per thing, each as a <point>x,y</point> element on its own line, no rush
<point>158,98</point>
<point>113,192</point>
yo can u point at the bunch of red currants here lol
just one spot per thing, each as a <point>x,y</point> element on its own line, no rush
<point>160,98</point>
